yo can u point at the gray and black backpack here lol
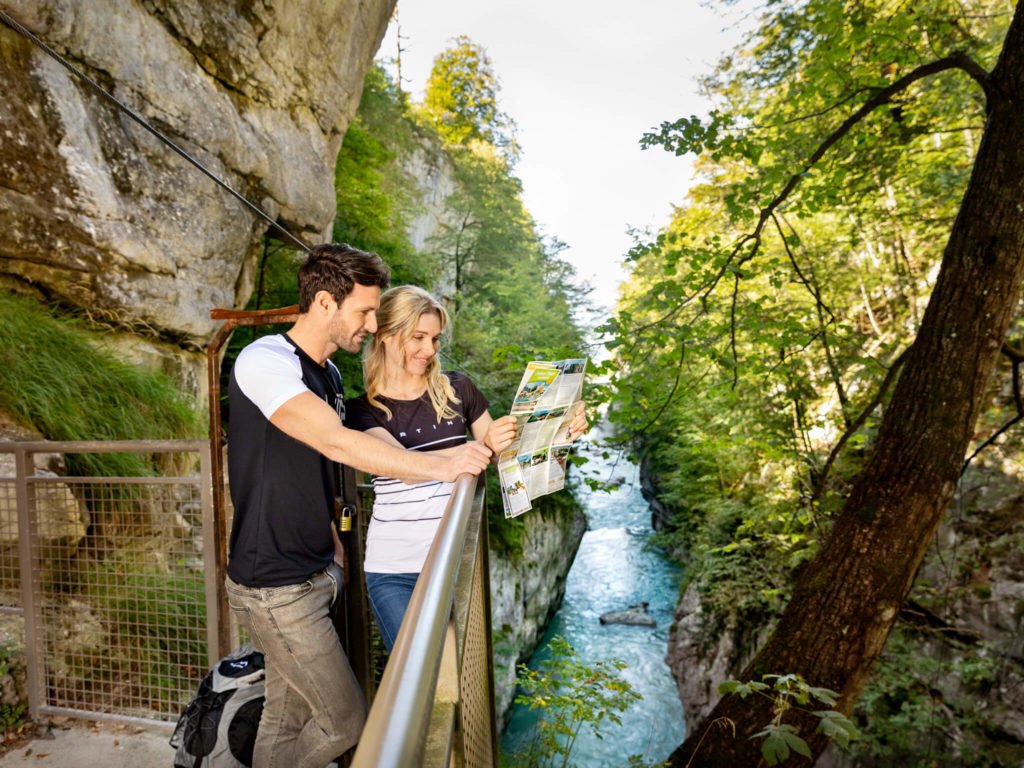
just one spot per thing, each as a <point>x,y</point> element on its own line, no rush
<point>218,727</point>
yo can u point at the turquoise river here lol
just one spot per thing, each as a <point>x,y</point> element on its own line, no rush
<point>615,568</point>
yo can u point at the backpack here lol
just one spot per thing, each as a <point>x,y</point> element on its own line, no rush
<point>218,727</point>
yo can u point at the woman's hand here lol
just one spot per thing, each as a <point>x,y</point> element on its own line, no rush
<point>500,434</point>
<point>579,424</point>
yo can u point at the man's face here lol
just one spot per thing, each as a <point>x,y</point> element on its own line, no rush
<point>355,318</point>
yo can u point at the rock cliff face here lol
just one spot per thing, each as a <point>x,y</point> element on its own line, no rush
<point>700,660</point>
<point>434,173</point>
<point>526,592</point>
<point>965,615</point>
<point>98,214</point>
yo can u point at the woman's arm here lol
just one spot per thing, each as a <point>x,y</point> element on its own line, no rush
<point>579,423</point>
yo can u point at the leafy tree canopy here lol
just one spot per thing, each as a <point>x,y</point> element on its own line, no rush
<point>461,99</point>
<point>760,336</point>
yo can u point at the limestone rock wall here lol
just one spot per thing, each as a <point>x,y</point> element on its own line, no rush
<point>435,176</point>
<point>97,213</point>
<point>700,660</point>
<point>62,522</point>
<point>968,606</point>
<point>526,592</point>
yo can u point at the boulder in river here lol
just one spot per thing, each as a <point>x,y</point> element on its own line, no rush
<point>635,615</point>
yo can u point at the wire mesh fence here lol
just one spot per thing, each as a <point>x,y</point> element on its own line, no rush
<point>111,586</point>
<point>108,576</point>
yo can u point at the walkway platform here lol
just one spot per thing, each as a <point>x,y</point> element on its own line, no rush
<point>77,743</point>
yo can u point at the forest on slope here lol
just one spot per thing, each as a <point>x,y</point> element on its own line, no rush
<point>819,356</point>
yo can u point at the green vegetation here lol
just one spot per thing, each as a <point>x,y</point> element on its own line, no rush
<point>571,695</point>
<point>756,346</point>
<point>156,623</point>
<point>378,196</point>
<point>791,692</point>
<point>911,722</point>
<point>743,362</point>
<point>461,99</point>
<point>58,378</point>
<point>12,716</point>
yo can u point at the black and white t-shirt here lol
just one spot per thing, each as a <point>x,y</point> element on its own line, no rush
<point>406,516</point>
<point>282,490</point>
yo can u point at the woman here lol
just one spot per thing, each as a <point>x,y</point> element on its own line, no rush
<point>411,403</point>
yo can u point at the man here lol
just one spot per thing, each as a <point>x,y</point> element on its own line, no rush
<point>285,433</point>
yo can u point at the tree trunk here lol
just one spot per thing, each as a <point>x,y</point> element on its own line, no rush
<point>846,600</point>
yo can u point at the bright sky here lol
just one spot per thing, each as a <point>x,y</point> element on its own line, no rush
<point>583,81</point>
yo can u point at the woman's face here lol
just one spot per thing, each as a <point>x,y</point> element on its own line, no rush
<point>414,355</point>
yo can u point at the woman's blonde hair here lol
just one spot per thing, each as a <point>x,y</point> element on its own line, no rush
<point>400,310</point>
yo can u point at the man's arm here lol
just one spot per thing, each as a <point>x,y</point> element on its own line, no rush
<point>310,420</point>
<point>382,434</point>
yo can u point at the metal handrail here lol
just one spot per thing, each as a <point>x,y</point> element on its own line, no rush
<point>397,726</point>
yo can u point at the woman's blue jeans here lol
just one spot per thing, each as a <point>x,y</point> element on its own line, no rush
<point>314,710</point>
<point>389,595</point>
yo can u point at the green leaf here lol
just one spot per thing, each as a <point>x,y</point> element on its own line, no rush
<point>728,686</point>
<point>779,740</point>
<point>824,695</point>
<point>837,727</point>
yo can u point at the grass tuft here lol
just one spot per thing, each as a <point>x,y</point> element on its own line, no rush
<point>57,379</point>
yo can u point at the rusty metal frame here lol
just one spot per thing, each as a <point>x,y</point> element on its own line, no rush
<point>353,622</point>
<point>232,319</point>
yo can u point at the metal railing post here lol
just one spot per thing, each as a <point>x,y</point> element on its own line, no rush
<point>29,575</point>
<point>212,579</point>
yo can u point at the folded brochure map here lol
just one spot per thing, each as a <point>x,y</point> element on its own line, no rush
<point>546,401</point>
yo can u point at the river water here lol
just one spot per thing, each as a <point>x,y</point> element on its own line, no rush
<point>614,569</point>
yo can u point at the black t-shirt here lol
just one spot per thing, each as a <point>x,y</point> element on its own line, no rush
<point>406,516</point>
<point>414,422</point>
<point>282,490</point>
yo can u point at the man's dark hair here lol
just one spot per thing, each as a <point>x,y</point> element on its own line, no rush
<point>336,268</point>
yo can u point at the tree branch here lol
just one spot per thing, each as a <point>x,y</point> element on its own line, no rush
<point>1016,358</point>
<point>890,376</point>
<point>732,330</point>
<point>821,309</point>
<point>671,395</point>
<point>882,96</point>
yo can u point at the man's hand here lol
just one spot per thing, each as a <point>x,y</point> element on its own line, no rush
<point>473,457</point>
<point>500,434</point>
